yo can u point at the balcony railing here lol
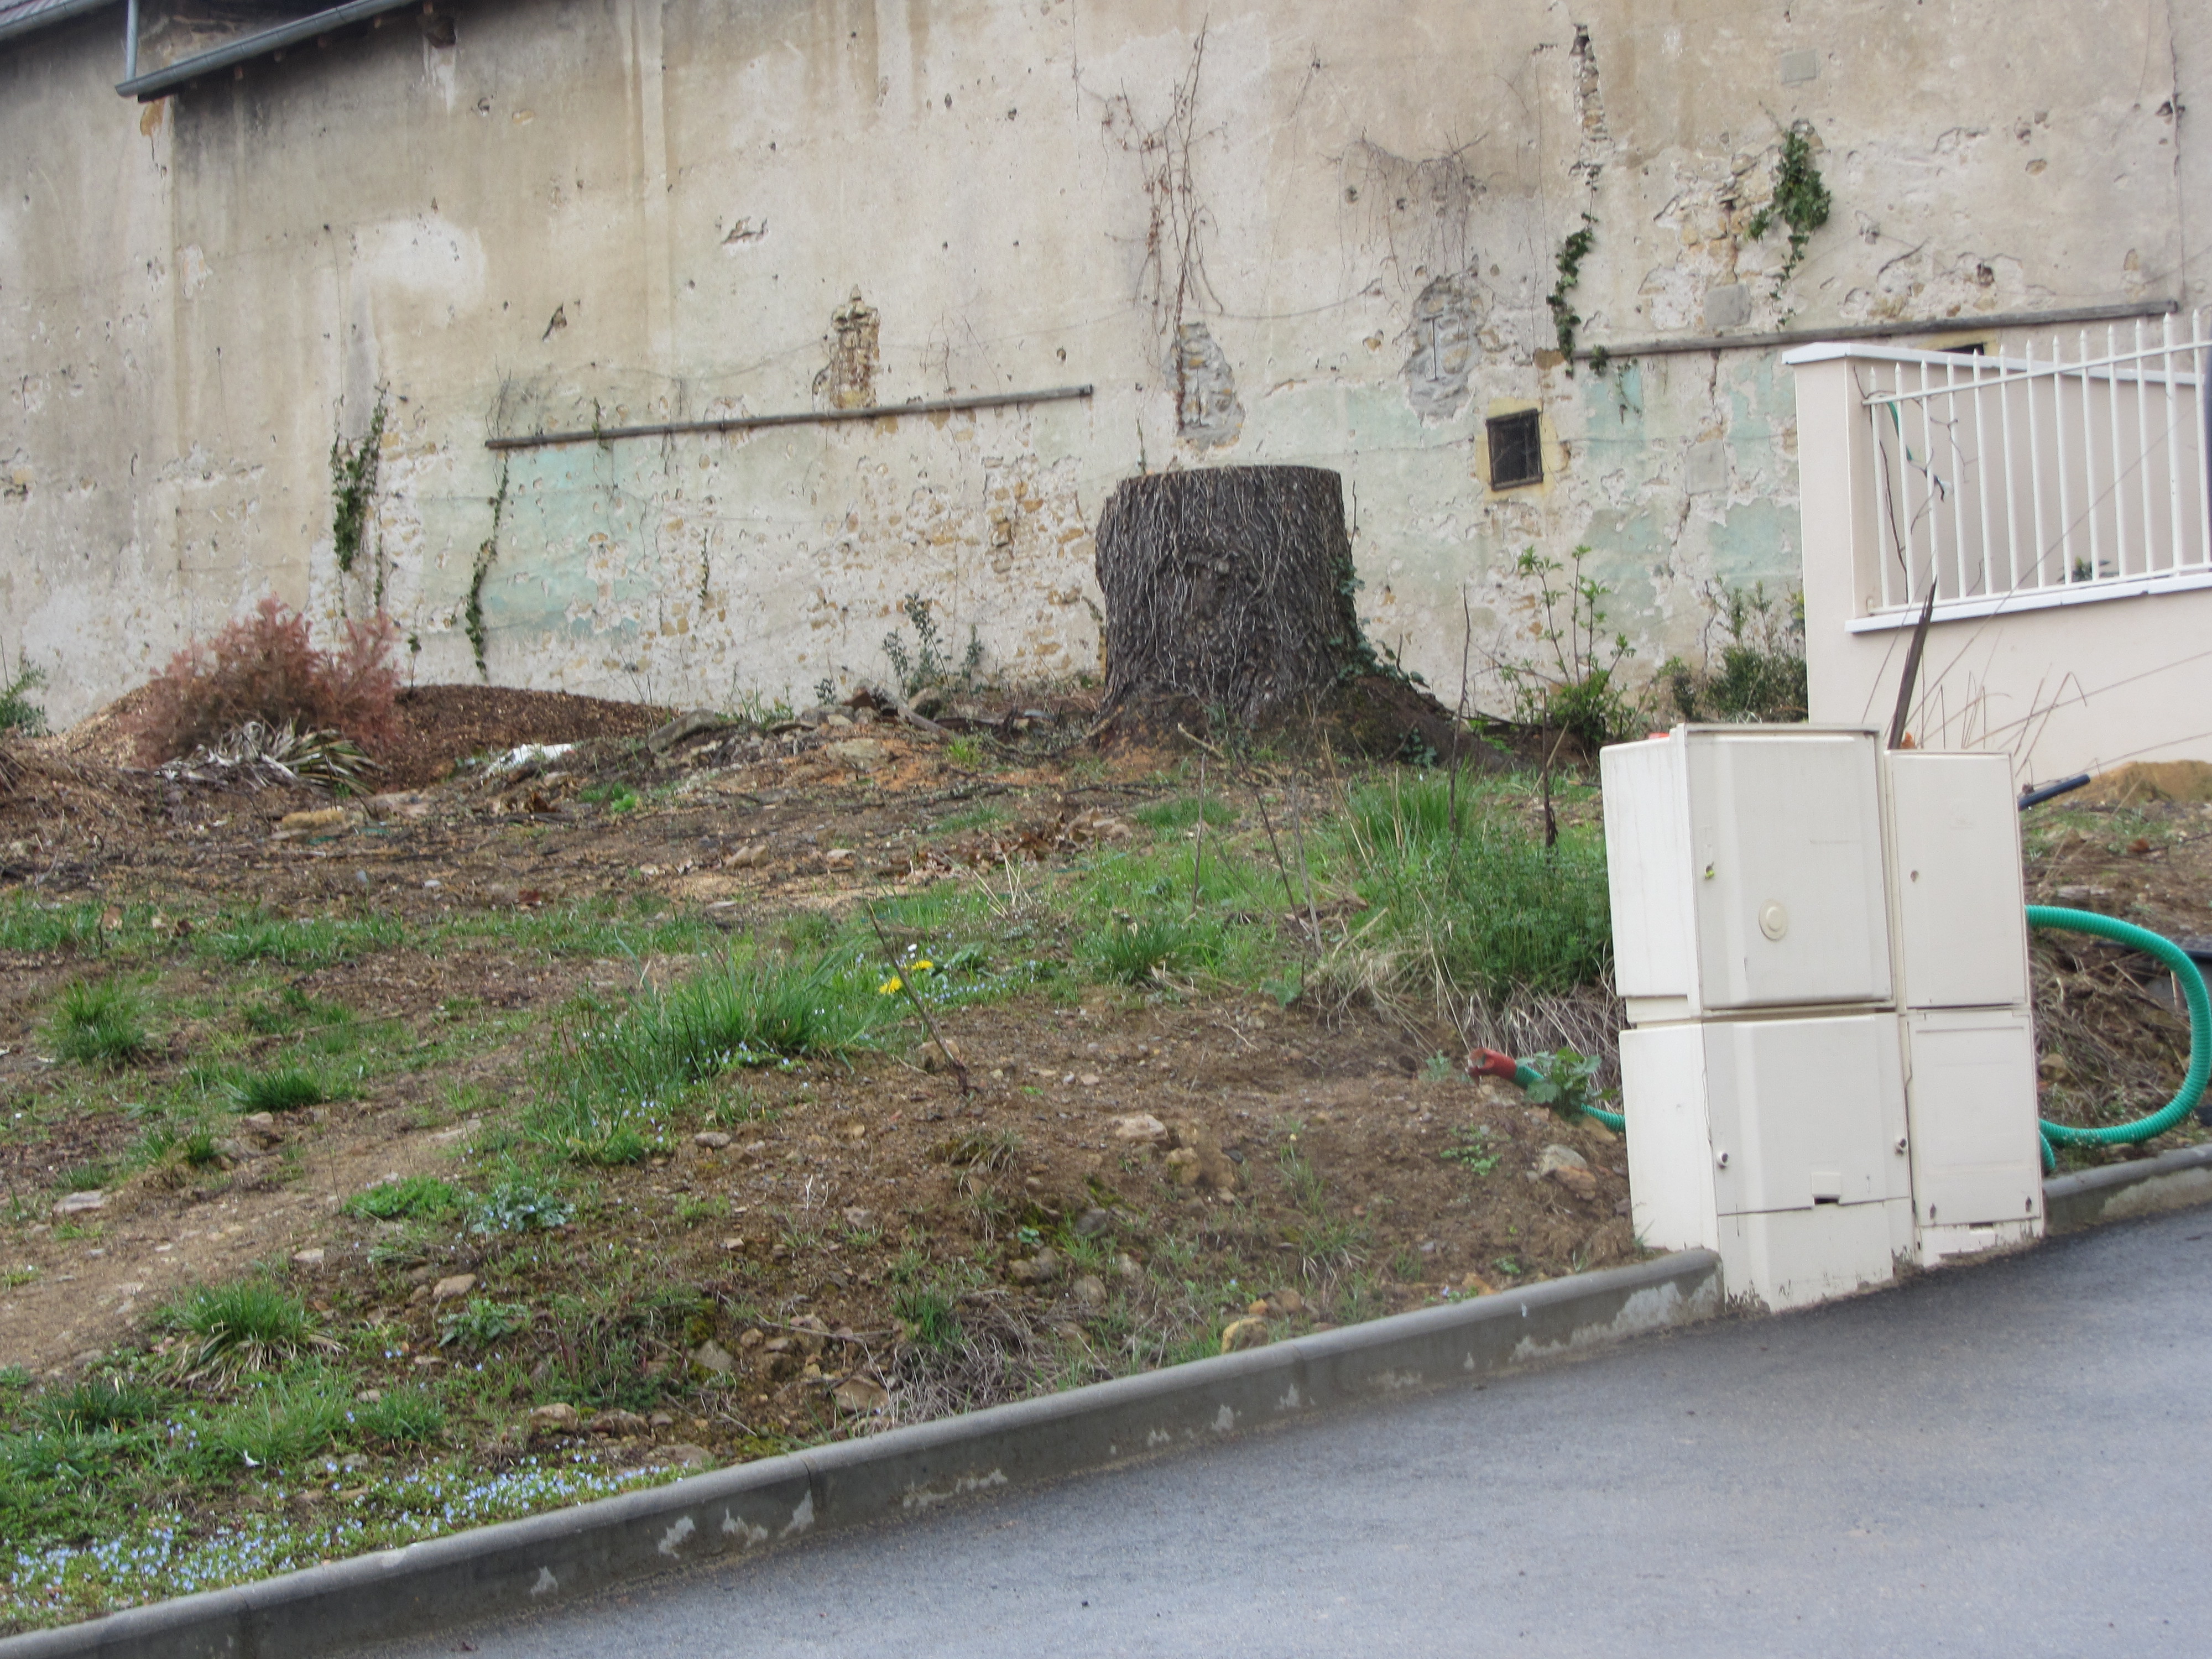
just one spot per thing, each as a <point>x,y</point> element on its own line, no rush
<point>2011,484</point>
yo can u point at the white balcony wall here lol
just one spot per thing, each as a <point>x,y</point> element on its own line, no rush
<point>2057,501</point>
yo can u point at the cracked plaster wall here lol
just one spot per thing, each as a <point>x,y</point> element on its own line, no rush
<point>581,211</point>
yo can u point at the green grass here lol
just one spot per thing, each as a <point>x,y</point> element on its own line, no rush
<point>250,1326</point>
<point>1486,911</point>
<point>419,1198</point>
<point>1139,951</point>
<point>102,1025</point>
<point>1182,811</point>
<point>608,1093</point>
<point>285,1089</point>
<point>313,942</point>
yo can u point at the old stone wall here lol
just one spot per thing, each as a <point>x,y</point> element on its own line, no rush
<point>1291,232</point>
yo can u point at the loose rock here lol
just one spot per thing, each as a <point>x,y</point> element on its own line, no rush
<point>558,1418</point>
<point>1241,1333</point>
<point>713,1140</point>
<point>80,1203</point>
<point>616,1422</point>
<point>712,1356</point>
<point>1040,1269</point>
<point>861,1394</point>
<point>308,1258</point>
<point>861,754</point>
<point>1090,1290</point>
<point>453,1285</point>
<point>685,1456</point>
<point>1141,1128</point>
<point>323,817</point>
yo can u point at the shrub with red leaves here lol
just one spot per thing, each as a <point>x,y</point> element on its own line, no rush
<point>262,668</point>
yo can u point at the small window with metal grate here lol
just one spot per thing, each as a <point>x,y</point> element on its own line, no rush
<point>1517,450</point>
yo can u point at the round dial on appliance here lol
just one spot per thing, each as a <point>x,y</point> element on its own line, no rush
<point>1773,919</point>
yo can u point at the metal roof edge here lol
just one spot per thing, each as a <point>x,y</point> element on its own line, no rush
<point>16,26</point>
<point>155,83</point>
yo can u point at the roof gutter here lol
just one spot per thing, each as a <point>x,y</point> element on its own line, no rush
<point>161,81</point>
<point>61,14</point>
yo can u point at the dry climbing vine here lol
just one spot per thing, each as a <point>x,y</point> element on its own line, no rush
<point>473,616</point>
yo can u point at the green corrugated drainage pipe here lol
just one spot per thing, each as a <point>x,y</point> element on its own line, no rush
<point>1488,1062</point>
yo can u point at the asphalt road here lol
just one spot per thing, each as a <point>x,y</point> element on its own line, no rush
<point>2004,1459</point>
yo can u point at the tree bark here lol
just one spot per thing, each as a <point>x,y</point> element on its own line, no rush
<point>1228,588</point>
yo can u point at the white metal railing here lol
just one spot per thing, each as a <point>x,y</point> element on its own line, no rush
<point>2014,483</point>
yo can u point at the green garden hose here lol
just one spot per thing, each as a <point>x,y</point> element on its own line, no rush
<point>1488,1062</point>
<point>2185,975</point>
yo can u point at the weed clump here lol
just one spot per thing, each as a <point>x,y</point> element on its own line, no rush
<point>288,1089</point>
<point>480,1324</point>
<point>1138,951</point>
<point>100,1025</point>
<point>1761,674</point>
<point>405,1416</point>
<point>1482,909</point>
<point>411,1198</point>
<point>17,712</point>
<point>1577,692</point>
<point>264,668</point>
<point>927,668</point>
<point>251,1326</point>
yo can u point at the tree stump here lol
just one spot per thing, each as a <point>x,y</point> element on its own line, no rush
<point>1229,588</point>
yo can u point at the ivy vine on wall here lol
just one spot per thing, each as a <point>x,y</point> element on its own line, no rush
<point>1801,199</point>
<point>352,486</point>
<point>1564,318</point>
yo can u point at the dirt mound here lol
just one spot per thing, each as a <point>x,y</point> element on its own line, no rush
<point>2147,781</point>
<point>441,724</point>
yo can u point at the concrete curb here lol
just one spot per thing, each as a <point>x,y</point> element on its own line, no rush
<point>2144,1186</point>
<point>518,1566</point>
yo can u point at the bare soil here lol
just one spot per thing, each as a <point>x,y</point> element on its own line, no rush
<point>1308,1147</point>
<point>761,828</point>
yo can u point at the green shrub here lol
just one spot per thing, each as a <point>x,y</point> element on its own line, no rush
<point>293,1009</point>
<point>276,1425</point>
<point>414,1197</point>
<point>1471,1149</point>
<point>618,1146</point>
<point>102,1025</point>
<point>1761,676</point>
<point>17,712</point>
<point>754,1012</point>
<point>1572,685</point>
